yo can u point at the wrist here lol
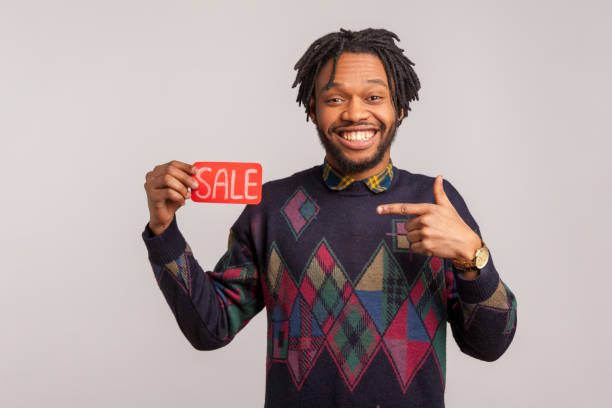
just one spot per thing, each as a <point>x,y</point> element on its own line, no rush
<point>469,250</point>
<point>157,228</point>
<point>167,245</point>
<point>471,268</point>
<point>469,274</point>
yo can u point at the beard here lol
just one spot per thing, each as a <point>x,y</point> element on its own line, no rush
<point>348,166</point>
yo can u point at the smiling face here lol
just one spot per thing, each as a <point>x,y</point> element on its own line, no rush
<point>355,118</point>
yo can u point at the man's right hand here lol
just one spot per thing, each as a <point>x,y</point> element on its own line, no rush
<point>167,187</point>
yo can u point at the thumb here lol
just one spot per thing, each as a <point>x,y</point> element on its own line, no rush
<point>439,194</point>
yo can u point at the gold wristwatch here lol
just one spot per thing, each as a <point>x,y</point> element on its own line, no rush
<point>478,262</point>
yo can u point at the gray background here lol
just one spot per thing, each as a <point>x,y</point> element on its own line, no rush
<point>94,94</point>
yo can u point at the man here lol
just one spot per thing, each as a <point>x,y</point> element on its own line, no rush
<point>359,264</point>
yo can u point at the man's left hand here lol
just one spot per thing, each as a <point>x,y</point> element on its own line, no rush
<point>437,229</point>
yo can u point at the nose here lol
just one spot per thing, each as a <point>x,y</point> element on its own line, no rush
<point>355,111</point>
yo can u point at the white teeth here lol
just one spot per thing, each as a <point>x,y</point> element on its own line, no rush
<point>358,135</point>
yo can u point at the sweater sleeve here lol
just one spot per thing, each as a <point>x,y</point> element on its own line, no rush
<point>210,307</point>
<point>482,312</point>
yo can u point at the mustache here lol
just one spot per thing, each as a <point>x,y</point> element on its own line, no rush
<point>381,126</point>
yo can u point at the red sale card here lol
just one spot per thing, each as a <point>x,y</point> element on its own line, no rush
<point>226,182</point>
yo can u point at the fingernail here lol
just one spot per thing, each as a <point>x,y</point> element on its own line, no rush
<point>380,209</point>
<point>194,184</point>
<point>194,169</point>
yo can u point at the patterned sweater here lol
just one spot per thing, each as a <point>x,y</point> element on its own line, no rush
<point>355,319</point>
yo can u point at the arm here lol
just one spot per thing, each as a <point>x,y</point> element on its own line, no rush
<point>483,323</point>
<point>210,307</point>
<point>480,307</point>
<point>481,311</point>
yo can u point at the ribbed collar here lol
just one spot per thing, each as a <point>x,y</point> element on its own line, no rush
<point>335,180</point>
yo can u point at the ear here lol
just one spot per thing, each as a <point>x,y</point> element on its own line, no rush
<point>312,109</point>
<point>401,115</point>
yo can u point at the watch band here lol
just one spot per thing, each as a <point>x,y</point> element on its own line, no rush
<point>467,265</point>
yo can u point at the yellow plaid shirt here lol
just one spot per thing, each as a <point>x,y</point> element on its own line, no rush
<point>335,180</point>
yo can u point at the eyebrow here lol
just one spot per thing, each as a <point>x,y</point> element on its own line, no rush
<point>377,81</point>
<point>369,81</point>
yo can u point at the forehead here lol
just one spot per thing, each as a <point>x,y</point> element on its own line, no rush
<point>352,69</point>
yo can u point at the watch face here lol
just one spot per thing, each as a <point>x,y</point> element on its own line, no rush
<point>482,257</point>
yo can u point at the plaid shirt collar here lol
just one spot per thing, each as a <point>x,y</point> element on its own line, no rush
<point>335,180</point>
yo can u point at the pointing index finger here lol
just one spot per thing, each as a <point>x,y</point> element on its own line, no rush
<point>403,208</point>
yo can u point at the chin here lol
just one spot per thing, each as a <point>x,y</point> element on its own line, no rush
<point>350,165</point>
<point>353,166</point>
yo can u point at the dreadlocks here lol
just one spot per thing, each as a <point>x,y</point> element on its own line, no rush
<point>379,42</point>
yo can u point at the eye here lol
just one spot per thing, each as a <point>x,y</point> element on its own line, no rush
<point>334,100</point>
<point>375,98</point>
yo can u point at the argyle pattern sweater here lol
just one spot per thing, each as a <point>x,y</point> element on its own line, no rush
<point>355,319</point>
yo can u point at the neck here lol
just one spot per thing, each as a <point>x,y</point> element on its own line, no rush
<point>367,173</point>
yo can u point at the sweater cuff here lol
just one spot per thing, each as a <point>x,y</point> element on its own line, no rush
<point>479,289</point>
<point>165,247</point>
